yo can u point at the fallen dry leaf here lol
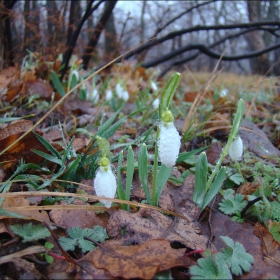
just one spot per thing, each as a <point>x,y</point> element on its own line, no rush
<point>150,224</point>
<point>139,261</point>
<point>23,148</point>
<point>243,233</point>
<point>214,152</point>
<point>270,247</point>
<point>21,202</point>
<point>77,218</point>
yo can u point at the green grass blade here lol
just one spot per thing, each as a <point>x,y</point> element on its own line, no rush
<point>47,156</point>
<point>57,83</point>
<point>163,175</point>
<point>143,171</point>
<point>120,190</point>
<point>129,173</point>
<point>217,184</point>
<point>200,179</point>
<point>48,146</point>
<point>187,155</point>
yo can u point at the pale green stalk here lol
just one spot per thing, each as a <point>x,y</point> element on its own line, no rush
<point>232,135</point>
<point>154,186</point>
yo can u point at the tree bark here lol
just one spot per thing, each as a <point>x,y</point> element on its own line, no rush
<point>110,39</point>
<point>260,65</point>
<point>109,6</point>
<point>6,32</point>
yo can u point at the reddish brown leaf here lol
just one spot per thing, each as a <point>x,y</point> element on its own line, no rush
<point>242,233</point>
<point>23,148</point>
<point>214,152</point>
<point>138,261</point>
<point>270,247</point>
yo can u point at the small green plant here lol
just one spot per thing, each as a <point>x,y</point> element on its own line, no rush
<point>233,259</point>
<point>232,204</point>
<point>30,232</point>
<point>205,189</point>
<point>76,238</point>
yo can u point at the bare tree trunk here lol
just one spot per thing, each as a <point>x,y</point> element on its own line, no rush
<point>260,65</point>
<point>74,17</point>
<point>52,22</point>
<point>6,32</point>
<point>110,39</point>
<point>142,24</point>
<point>109,6</point>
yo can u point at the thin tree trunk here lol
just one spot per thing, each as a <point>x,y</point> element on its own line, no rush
<point>109,6</point>
<point>260,65</point>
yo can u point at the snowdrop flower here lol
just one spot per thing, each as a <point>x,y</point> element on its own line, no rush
<point>121,93</point>
<point>235,150</point>
<point>94,97</point>
<point>108,95</point>
<point>169,140</point>
<point>156,103</point>
<point>105,181</point>
<point>153,86</point>
<point>224,92</point>
<point>76,74</point>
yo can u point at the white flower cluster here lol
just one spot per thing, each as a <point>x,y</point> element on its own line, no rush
<point>235,150</point>
<point>121,93</point>
<point>105,182</point>
<point>169,140</point>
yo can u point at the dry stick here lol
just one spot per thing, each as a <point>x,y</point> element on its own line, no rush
<point>64,97</point>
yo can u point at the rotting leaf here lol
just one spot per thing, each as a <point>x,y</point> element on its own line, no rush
<point>270,247</point>
<point>138,261</point>
<point>22,149</point>
<point>139,228</point>
<point>214,152</point>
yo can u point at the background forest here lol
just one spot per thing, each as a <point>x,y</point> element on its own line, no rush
<point>193,34</point>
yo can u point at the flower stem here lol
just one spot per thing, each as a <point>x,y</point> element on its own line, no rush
<point>154,186</point>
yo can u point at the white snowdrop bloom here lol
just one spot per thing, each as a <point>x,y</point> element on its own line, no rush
<point>156,103</point>
<point>235,150</point>
<point>119,91</point>
<point>108,95</point>
<point>75,73</point>
<point>153,86</point>
<point>105,182</point>
<point>224,92</point>
<point>168,143</point>
<point>125,95</point>
<point>94,96</point>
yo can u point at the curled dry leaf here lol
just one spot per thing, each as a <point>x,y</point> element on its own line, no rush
<point>23,148</point>
<point>214,152</point>
<point>150,224</point>
<point>139,261</point>
<point>270,247</point>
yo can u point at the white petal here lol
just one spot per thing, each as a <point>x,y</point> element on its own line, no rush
<point>125,95</point>
<point>153,86</point>
<point>94,96</point>
<point>105,185</point>
<point>235,150</point>
<point>119,91</point>
<point>168,144</point>
<point>156,103</point>
<point>109,95</point>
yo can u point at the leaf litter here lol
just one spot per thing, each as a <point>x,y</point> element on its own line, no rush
<point>142,242</point>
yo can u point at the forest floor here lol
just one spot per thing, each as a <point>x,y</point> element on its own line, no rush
<point>52,225</point>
